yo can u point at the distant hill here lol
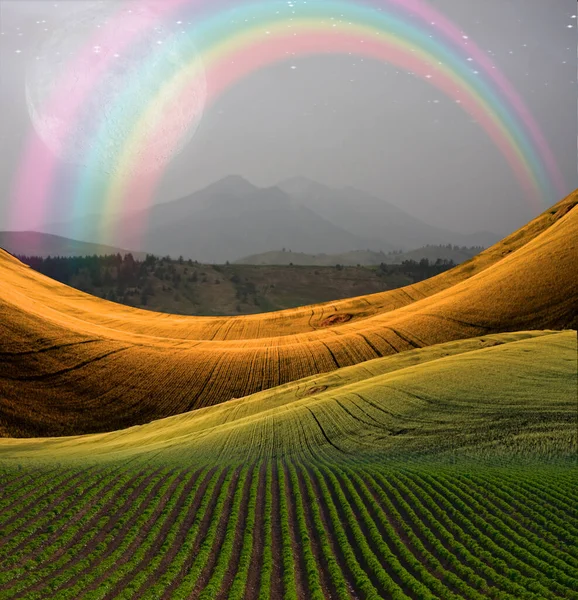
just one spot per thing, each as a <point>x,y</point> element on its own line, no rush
<point>454,253</point>
<point>288,257</point>
<point>375,219</point>
<point>362,257</point>
<point>34,243</point>
<point>233,218</point>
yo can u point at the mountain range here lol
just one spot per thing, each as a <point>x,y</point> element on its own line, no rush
<point>232,218</point>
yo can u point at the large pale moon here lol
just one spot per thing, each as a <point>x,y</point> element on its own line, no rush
<point>91,82</point>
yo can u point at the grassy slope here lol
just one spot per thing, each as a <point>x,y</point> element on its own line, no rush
<point>499,395</point>
<point>73,363</point>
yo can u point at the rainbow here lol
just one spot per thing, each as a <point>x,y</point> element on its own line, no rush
<point>235,39</point>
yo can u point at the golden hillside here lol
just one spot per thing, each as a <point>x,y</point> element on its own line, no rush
<point>72,363</point>
<point>452,398</point>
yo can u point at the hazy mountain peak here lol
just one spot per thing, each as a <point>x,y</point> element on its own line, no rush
<point>232,184</point>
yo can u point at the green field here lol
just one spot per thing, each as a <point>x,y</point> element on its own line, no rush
<point>289,529</point>
<point>443,472</point>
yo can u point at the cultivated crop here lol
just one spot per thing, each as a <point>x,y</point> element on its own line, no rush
<point>346,530</point>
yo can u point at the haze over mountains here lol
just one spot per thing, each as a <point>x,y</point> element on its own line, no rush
<point>373,218</point>
<point>232,219</point>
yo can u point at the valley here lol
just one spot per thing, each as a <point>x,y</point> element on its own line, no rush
<point>186,287</point>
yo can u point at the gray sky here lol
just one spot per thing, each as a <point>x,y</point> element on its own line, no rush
<point>345,121</point>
